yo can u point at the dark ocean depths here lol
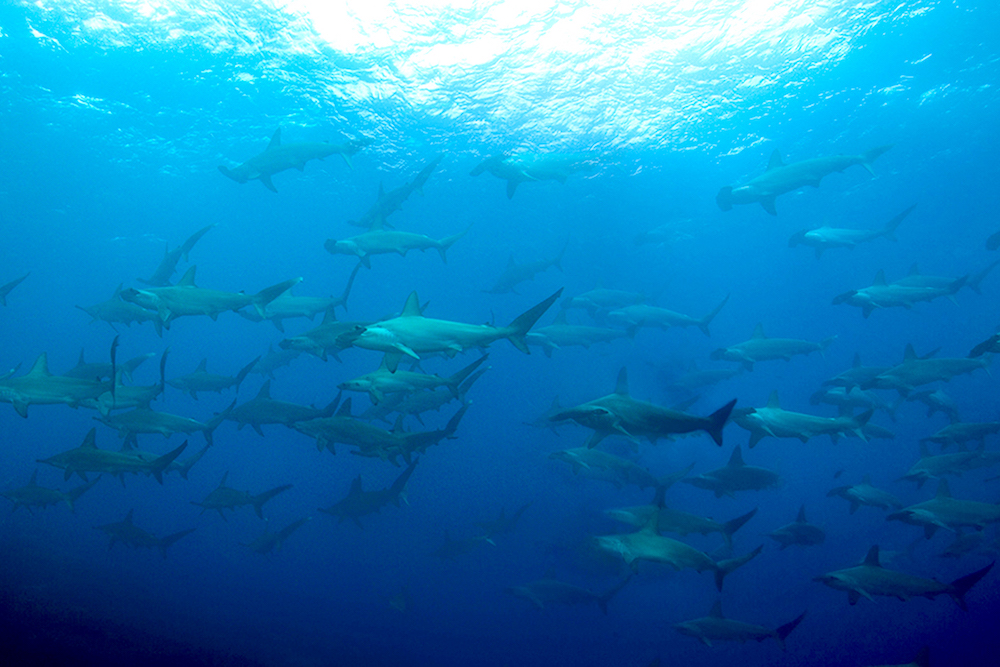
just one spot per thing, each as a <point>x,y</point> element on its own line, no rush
<point>113,119</point>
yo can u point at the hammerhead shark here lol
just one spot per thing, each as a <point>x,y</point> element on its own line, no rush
<point>224,497</point>
<point>88,458</point>
<point>359,503</point>
<point>33,495</point>
<point>279,157</point>
<point>781,178</point>
<point>516,169</point>
<point>131,535</point>
<point>620,414</point>
<point>716,627</point>
<point>40,387</point>
<point>186,298</point>
<point>412,334</point>
<point>117,311</point>
<point>389,202</point>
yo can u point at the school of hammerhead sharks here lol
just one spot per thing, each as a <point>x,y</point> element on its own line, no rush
<point>399,390</point>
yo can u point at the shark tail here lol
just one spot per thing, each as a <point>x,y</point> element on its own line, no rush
<point>519,328</point>
<point>731,526</point>
<point>725,198</point>
<point>72,495</point>
<point>889,231</point>
<point>331,407</point>
<point>214,422</point>
<point>605,598</point>
<point>977,278</point>
<point>347,288</point>
<point>185,468</point>
<point>459,377</point>
<point>870,156</point>
<point>705,321</point>
<point>717,420</point>
<point>962,585</point>
<point>170,539</point>
<point>782,633</point>
<point>269,294</point>
<point>160,464</point>
<point>825,343</point>
<point>725,567</point>
<point>242,375</point>
<point>445,243</point>
<point>259,500</point>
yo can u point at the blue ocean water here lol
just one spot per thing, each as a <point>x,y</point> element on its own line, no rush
<point>115,116</point>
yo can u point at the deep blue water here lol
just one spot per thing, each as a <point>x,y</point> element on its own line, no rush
<point>113,118</point>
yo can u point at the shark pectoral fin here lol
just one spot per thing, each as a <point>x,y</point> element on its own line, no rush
<point>266,180</point>
<point>406,350</point>
<point>865,593</point>
<point>21,407</point>
<point>536,601</point>
<point>705,640</point>
<point>853,597</point>
<point>257,428</point>
<point>768,204</point>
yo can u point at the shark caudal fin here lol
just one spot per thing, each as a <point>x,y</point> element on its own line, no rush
<point>889,231</point>
<point>242,375</point>
<point>214,422</point>
<point>71,496</point>
<point>269,294</point>
<point>459,377</point>
<point>786,629</point>
<point>962,585</point>
<point>605,598</point>
<point>977,278</point>
<point>259,500</point>
<point>717,420</point>
<point>870,156</point>
<point>445,243</point>
<point>519,328</point>
<point>731,526</point>
<point>725,567</point>
<point>724,199</point>
<point>184,467</point>
<point>160,464</point>
<point>705,321</point>
<point>167,541</point>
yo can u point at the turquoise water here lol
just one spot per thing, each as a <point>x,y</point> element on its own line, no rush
<point>115,117</point>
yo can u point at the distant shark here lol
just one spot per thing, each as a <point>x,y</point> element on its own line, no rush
<point>278,157</point>
<point>165,271</point>
<point>716,627</point>
<point>359,503</point>
<point>516,169</point>
<point>781,178</point>
<point>131,535</point>
<point>823,238</point>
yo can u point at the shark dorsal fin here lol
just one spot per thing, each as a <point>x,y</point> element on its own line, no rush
<point>128,517</point>
<point>801,518</point>
<point>879,278</point>
<point>202,367</point>
<point>857,360</point>
<point>944,491</point>
<point>34,478</point>
<point>775,160</point>
<point>560,318</point>
<point>867,479</point>
<point>275,139</point>
<point>758,331</point>
<point>356,486</point>
<point>914,270</point>
<point>345,408</point>
<point>265,390</point>
<point>555,402</point>
<point>550,573</point>
<point>329,316</point>
<point>90,440</point>
<point>118,291</point>
<point>736,460</point>
<point>652,524</point>
<point>716,610</point>
<point>412,306</point>
<point>225,476</point>
<point>378,224</point>
<point>80,360</point>
<point>772,400</point>
<point>41,365</point>
<point>187,280</point>
<point>872,557</point>
<point>384,366</point>
<point>909,354</point>
<point>621,387</point>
